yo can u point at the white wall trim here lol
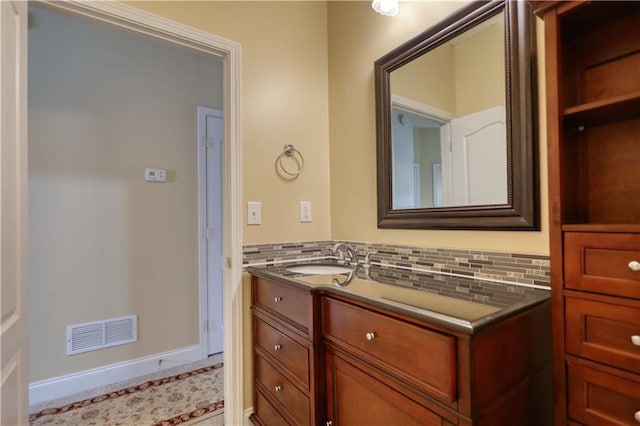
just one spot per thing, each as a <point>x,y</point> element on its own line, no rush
<point>423,110</point>
<point>69,384</point>
<point>247,413</point>
<point>129,17</point>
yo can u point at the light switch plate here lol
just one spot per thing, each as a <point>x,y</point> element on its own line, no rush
<point>254,213</point>
<point>305,211</point>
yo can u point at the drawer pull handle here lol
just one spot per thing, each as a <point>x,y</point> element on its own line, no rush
<point>635,339</point>
<point>636,416</point>
<point>277,299</point>
<point>278,388</point>
<point>370,335</point>
<point>277,347</point>
<point>634,265</point>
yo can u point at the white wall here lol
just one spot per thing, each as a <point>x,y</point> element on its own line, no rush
<point>103,105</point>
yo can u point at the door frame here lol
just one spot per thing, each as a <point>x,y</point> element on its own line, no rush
<point>137,20</point>
<point>13,212</point>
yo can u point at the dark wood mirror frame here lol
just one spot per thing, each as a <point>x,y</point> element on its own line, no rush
<point>521,212</point>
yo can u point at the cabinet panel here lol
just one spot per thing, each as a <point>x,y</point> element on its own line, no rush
<point>356,398</point>
<point>609,79</point>
<point>596,49</point>
<point>599,398</point>
<point>285,350</point>
<point>279,388</point>
<point>603,332</point>
<point>288,302</point>
<point>420,355</point>
<point>265,413</point>
<point>613,179</point>
<point>599,262</point>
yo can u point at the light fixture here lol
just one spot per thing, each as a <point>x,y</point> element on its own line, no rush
<point>386,7</point>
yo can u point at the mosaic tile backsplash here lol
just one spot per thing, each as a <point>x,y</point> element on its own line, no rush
<point>511,267</point>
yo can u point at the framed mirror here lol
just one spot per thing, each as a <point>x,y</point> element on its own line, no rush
<point>455,124</point>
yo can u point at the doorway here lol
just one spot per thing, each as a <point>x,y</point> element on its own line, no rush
<point>133,19</point>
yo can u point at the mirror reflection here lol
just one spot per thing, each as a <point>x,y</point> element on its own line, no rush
<point>448,123</point>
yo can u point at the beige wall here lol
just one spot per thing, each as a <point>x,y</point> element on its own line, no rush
<point>284,86</point>
<point>104,243</point>
<point>357,37</point>
<point>461,77</point>
<point>430,79</point>
<point>480,71</point>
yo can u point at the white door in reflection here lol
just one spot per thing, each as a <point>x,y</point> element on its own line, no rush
<point>478,159</point>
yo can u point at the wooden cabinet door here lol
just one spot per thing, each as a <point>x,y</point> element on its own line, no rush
<point>355,398</point>
<point>601,398</point>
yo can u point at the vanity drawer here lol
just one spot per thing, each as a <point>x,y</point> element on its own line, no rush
<point>600,398</point>
<point>266,413</point>
<point>293,356</point>
<point>279,388</point>
<point>418,355</point>
<point>287,301</point>
<point>603,332</point>
<point>599,262</point>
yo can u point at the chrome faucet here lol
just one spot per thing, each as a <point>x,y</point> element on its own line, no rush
<point>351,257</point>
<point>367,259</point>
<point>366,264</point>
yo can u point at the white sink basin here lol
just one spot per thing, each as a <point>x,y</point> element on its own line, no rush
<point>319,269</point>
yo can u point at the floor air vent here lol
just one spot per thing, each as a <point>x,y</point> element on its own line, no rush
<point>91,336</point>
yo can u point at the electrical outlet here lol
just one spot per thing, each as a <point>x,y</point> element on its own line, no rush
<point>305,211</point>
<point>254,213</point>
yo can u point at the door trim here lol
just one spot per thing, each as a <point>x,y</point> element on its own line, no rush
<point>203,205</point>
<point>13,212</point>
<point>131,18</point>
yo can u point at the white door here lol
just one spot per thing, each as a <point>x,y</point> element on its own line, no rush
<point>13,213</point>
<point>210,136</point>
<point>478,158</point>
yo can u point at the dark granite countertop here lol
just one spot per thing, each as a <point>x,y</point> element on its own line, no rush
<point>459,303</point>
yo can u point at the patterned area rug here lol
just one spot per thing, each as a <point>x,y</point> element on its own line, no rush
<point>182,399</point>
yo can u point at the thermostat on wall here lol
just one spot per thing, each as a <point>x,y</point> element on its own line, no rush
<point>155,175</point>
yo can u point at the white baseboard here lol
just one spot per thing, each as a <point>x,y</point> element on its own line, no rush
<point>247,413</point>
<point>69,384</point>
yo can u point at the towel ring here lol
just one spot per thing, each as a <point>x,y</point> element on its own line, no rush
<point>290,151</point>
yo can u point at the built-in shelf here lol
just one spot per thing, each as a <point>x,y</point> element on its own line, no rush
<point>601,227</point>
<point>592,58</point>
<point>617,108</point>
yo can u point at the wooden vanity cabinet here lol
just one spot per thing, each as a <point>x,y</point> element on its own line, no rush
<point>593,133</point>
<point>322,358</point>
<point>286,355</point>
<point>387,368</point>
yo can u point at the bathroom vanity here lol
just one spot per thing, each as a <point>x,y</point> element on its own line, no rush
<point>380,352</point>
